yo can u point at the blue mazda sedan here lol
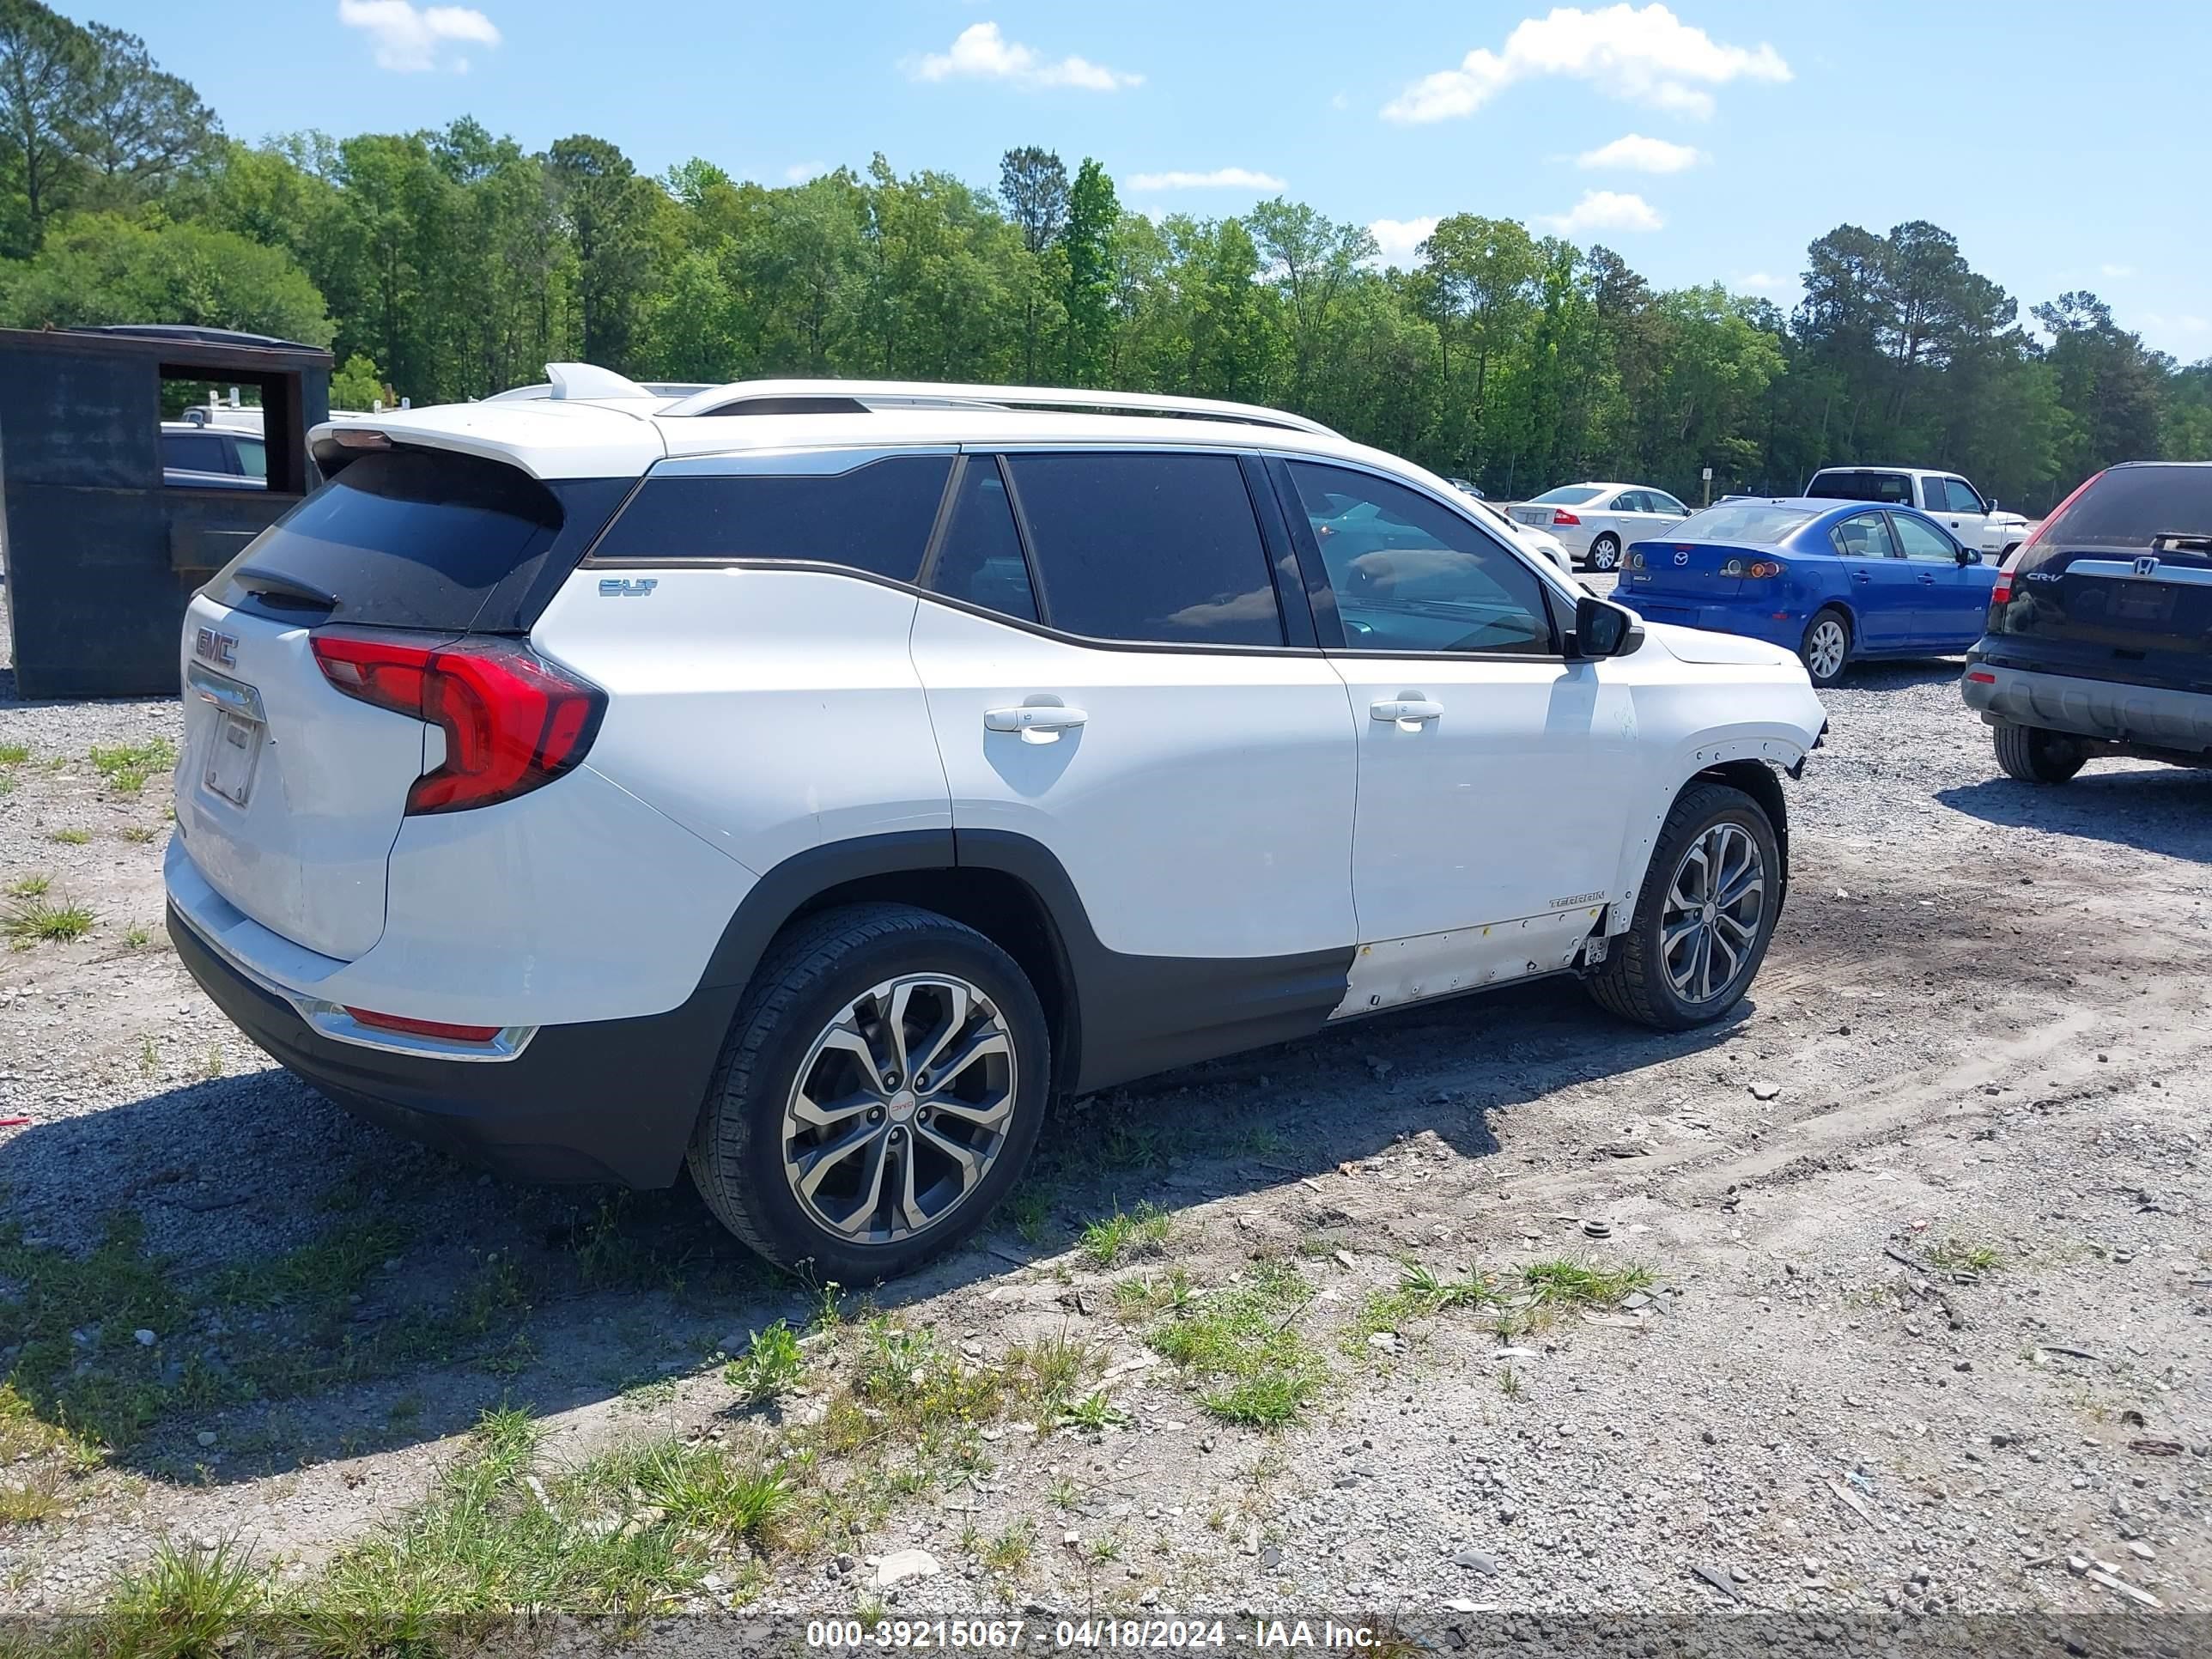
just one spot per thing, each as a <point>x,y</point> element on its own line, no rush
<point>1835,582</point>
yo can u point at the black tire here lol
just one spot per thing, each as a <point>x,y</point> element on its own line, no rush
<point>2034,755</point>
<point>1605,552</point>
<point>806,980</point>
<point>1633,980</point>
<point>1825,672</point>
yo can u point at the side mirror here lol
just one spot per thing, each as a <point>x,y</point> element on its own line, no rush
<point>1970,556</point>
<point>1603,629</point>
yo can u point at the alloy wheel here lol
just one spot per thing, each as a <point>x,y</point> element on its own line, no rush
<point>900,1107</point>
<point>1823,651</point>
<point>1710,920</point>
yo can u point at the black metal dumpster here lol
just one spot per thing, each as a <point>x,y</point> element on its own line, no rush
<point>104,544</point>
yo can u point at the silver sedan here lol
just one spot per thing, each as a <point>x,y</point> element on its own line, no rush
<point>1595,521</point>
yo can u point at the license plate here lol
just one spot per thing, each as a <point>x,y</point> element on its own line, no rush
<point>2151,602</point>
<point>232,756</point>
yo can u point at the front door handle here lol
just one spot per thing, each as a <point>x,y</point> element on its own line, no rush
<point>1861,576</point>
<point>1408,711</point>
<point>1049,719</point>
<point>1928,581</point>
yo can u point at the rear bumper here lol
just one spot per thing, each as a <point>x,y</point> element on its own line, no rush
<point>2149,716</point>
<point>610,1100</point>
<point>1750,622</point>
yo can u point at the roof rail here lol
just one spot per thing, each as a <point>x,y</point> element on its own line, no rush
<point>850,396</point>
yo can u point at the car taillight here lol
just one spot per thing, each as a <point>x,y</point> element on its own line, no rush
<point>1981,676</point>
<point>1635,560</point>
<point>2001,593</point>
<point>1762,568</point>
<point>429,1027</point>
<point>513,721</point>
<point>1560,515</point>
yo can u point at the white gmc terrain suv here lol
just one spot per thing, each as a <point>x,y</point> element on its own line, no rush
<point>806,781</point>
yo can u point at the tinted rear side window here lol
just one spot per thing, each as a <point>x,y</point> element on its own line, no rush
<point>2131,505</point>
<point>1159,548</point>
<point>1566,496</point>
<point>875,517</point>
<point>1751,521</point>
<point>980,561</point>
<point>423,539</point>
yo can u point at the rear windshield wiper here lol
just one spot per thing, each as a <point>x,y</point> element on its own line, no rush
<point>2174,540</point>
<point>283,592</point>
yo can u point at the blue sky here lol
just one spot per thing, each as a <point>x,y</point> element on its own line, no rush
<point>2061,144</point>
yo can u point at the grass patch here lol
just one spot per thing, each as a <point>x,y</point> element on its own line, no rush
<point>629,1535</point>
<point>280,1329</point>
<point>29,886</point>
<point>1240,1338</point>
<point>125,767</point>
<point>1095,1413</point>
<point>14,754</point>
<point>1010,1552</point>
<point>1963,1256</point>
<point>1420,1294</point>
<point>138,939</point>
<point>70,837</point>
<point>770,1367</point>
<point>1122,1238</point>
<point>139,834</point>
<point>31,922</point>
<point>329,1268</point>
<point>187,1601</point>
<point>1047,1372</point>
<point>1563,1284</point>
<point>1136,1299</point>
<point>34,1502</point>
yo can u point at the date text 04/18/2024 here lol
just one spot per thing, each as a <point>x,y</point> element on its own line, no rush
<point>1089,1634</point>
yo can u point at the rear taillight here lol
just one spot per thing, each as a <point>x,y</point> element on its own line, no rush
<point>1560,515</point>
<point>1635,560</point>
<point>1757,569</point>
<point>513,721</point>
<point>2001,593</point>
<point>1981,676</point>
<point>429,1027</point>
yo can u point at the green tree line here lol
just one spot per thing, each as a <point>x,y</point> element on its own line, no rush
<point>450,264</point>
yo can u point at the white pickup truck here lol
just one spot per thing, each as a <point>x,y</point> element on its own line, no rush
<point>1943,496</point>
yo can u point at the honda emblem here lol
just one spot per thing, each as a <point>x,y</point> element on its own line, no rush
<point>2146,565</point>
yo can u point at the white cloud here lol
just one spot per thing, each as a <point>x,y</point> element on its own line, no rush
<point>1759,282</point>
<point>799,172</point>
<point>1219,178</point>
<point>1400,239</point>
<point>1648,56</point>
<point>1636,154</point>
<point>980,52</point>
<point>1605,210</point>
<point>2117,271</point>
<point>413,38</point>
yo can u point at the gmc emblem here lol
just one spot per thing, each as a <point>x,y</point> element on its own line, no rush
<point>221,649</point>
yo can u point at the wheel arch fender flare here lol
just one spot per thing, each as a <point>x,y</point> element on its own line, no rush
<point>1748,763</point>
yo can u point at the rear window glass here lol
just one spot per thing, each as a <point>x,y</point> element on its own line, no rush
<point>416,538</point>
<point>1738,521</point>
<point>875,517</point>
<point>1152,547</point>
<point>1892,486</point>
<point>1566,496</point>
<point>2131,505</point>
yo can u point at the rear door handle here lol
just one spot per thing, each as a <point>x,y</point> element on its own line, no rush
<point>1411,711</point>
<point>1861,576</point>
<point>1928,581</point>
<point>1049,717</point>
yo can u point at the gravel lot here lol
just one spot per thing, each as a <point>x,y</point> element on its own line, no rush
<point>1980,1040</point>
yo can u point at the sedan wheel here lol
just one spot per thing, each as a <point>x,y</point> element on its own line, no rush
<point>1605,553</point>
<point>1827,646</point>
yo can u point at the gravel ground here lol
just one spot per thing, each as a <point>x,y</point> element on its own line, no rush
<point>1982,1028</point>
